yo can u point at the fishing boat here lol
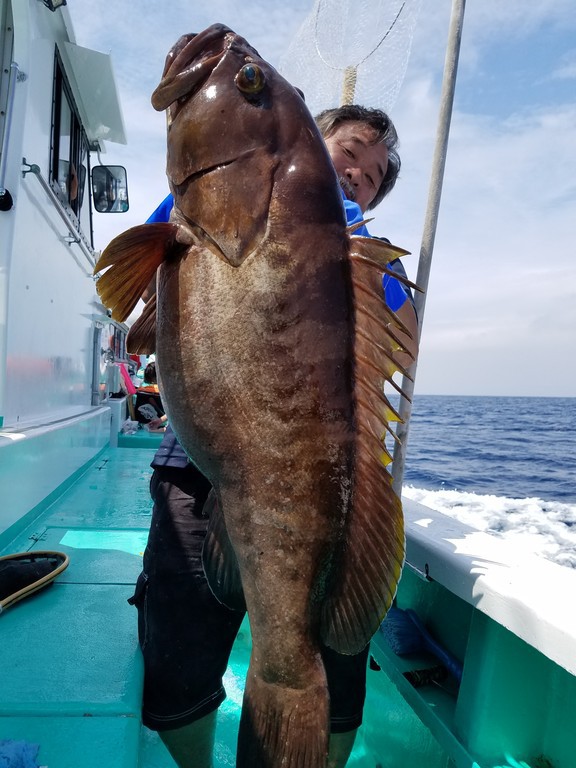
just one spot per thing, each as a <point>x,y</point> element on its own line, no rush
<point>490,680</point>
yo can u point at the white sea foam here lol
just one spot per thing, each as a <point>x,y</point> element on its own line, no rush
<point>546,528</point>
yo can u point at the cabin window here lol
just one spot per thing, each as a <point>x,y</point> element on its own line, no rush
<point>70,152</point>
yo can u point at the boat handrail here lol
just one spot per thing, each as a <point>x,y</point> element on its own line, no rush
<point>74,236</point>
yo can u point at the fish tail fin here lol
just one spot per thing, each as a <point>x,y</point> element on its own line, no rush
<point>133,258</point>
<point>283,726</point>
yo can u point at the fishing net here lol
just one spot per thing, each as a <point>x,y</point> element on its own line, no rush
<point>352,52</point>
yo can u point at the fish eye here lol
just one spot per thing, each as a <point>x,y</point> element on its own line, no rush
<point>250,79</point>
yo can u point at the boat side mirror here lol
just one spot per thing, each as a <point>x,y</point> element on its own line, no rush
<point>110,189</point>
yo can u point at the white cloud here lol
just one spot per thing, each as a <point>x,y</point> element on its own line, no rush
<point>567,70</point>
<point>500,315</point>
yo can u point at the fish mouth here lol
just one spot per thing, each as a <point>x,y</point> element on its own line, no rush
<point>210,169</point>
<point>189,64</point>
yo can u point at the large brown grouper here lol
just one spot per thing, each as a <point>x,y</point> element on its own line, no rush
<point>273,343</point>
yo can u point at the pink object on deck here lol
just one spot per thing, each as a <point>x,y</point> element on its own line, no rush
<point>130,388</point>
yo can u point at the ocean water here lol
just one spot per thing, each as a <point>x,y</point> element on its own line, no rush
<point>505,465</point>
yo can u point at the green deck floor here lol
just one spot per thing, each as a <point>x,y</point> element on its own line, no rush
<point>72,670</point>
<point>72,675</point>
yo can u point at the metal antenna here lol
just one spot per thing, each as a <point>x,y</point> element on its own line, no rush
<point>430,223</point>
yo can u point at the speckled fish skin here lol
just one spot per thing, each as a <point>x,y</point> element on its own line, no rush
<point>255,342</point>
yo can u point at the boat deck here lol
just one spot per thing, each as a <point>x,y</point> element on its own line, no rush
<point>72,670</point>
<point>72,673</point>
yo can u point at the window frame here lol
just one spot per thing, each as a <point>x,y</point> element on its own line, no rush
<point>69,145</point>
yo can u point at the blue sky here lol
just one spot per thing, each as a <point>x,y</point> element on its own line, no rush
<point>500,313</point>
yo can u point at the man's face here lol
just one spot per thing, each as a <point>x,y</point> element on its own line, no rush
<point>360,164</point>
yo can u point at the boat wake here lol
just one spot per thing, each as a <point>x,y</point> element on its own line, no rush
<point>545,528</point>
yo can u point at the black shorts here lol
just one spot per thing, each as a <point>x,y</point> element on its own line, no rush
<point>186,635</point>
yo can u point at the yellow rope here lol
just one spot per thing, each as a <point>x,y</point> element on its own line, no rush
<point>349,85</point>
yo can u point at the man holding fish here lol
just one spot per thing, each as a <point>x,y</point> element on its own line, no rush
<point>269,392</point>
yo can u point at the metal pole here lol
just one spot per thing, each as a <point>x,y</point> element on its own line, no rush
<point>430,222</point>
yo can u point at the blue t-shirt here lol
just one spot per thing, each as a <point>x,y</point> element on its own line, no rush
<point>162,213</point>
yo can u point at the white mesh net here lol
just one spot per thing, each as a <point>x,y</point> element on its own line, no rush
<point>352,52</point>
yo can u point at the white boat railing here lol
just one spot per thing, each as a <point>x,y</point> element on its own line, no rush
<point>73,237</point>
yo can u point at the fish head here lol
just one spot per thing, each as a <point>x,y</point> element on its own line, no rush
<point>240,140</point>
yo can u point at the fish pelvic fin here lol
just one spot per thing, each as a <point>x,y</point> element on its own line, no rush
<point>133,258</point>
<point>141,338</point>
<point>370,562</point>
<point>219,559</point>
<point>282,726</point>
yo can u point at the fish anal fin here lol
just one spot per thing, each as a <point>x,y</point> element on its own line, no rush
<point>133,258</point>
<point>141,338</point>
<point>219,559</point>
<point>282,726</point>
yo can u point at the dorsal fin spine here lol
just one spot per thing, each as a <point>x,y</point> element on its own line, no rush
<point>363,382</point>
<point>392,317</point>
<point>398,368</point>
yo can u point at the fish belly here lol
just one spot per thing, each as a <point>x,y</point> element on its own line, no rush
<point>255,376</point>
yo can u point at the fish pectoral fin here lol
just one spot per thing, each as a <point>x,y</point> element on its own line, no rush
<point>219,559</point>
<point>141,338</point>
<point>133,258</point>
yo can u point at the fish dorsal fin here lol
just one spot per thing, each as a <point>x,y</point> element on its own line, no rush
<point>370,562</point>
<point>351,228</point>
<point>219,559</point>
<point>133,258</point>
<point>141,338</point>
